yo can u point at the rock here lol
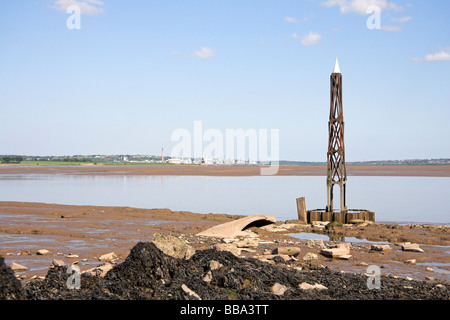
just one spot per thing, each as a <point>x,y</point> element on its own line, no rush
<point>100,271</point>
<point>429,269</point>
<point>315,243</point>
<point>72,256</point>
<point>214,265</point>
<point>414,247</point>
<point>173,246</point>
<point>42,252</point>
<point>411,261</point>
<point>319,223</point>
<point>290,251</point>
<point>334,252</point>
<point>190,292</point>
<point>108,257</point>
<point>278,289</point>
<point>380,247</point>
<point>274,257</point>
<point>266,242</point>
<point>307,286</point>
<point>310,256</point>
<point>228,247</point>
<point>207,277</point>
<point>229,240</point>
<point>344,257</point>
<point>18,267</point>
<point>58,263</point>
<point>363,264</point>
<point>246,243</point>
<point>345,245</point>
<point>274,228</point>
<point>25,252</point>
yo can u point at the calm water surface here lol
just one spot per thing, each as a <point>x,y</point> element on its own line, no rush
<point>394,199</point>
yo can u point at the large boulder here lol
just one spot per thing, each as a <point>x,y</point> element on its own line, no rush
<point>173,246</point>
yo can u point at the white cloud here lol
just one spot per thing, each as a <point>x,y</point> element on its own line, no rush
<point>360,6</point>
<point>89,7</point>
<point>295,35</point>
<point>290,19</point>
<point>203,53</point>
<point>311,39</point>
<point>401,20</point>
<point>443,55</point>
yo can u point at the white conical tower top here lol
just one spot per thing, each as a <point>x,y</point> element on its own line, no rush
<point>336,67</point>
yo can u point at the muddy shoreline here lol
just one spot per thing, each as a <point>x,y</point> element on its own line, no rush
<point>222,170</point>
<point>91,231</point>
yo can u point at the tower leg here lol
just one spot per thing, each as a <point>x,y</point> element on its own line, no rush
<point>343,200</point>
<point>330,198</point>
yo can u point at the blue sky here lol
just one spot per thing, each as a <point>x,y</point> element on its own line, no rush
<point>136,71</point>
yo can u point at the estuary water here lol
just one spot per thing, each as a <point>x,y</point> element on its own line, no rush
<point>400,200</point>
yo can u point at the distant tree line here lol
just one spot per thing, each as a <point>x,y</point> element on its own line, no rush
<point>64,159</point>
<point>11,159</point>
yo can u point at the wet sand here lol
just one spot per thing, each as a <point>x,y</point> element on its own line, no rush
<point>222,170</point>
<point>90,231</point>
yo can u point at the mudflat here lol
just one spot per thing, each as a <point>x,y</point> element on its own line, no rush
<point>81,234</point>
<point>223,170</point>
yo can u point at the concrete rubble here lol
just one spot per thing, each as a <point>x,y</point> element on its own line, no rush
<point>237,227</point>
<point>335,252</point>
<point>380,247</point>
<point>108,257</point>
<point>18,267</point>
<point>58,263</point>
<point>310,256</point>
<point>99,271</point>
<point>42,252</point>
<point>414,247</point>
<point>307,286</point>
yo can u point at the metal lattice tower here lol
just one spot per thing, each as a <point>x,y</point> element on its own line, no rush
<point>336,172</point>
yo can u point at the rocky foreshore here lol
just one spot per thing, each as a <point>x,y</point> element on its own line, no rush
<point>148,273</point>
<point>283,260</point>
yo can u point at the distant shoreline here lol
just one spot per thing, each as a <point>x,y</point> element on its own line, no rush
<point>224,170</point>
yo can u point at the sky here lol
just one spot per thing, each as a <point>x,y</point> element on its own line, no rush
<point>122,76</point>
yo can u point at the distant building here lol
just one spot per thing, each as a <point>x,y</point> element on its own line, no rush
<point>175,161</point>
